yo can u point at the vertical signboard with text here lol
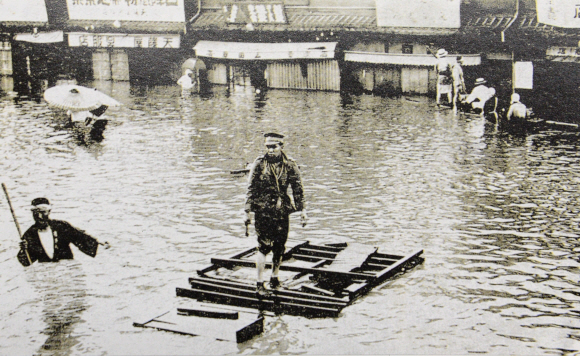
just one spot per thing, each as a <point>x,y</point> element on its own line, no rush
<point>127,10</point>
<point>418,13</point>
<point>559,13</point>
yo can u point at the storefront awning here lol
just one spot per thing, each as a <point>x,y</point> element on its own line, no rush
<point>265,51</point>
<point>41,37</point>
<point>23,13</point>
<point>405,59</point>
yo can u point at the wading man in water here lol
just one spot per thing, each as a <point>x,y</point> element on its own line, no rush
<point>268,198</point>
<point>49,240</point>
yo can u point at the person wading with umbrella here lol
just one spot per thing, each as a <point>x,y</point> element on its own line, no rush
<point>84,105</point>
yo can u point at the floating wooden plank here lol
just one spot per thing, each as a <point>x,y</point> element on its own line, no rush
<point>238,330</point>
<point>209,313</point>
<point>353,256</point>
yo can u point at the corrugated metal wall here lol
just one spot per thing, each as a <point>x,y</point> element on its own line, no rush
<point>101,65</point>
<point>119,65</point>
<point>320,75</point>
<point>217,73</point>
<point>5,58</point>
<point>414,80</point>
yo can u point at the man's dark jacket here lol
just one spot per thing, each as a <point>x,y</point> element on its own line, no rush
<point>64,234</point>
<point>263,193</point>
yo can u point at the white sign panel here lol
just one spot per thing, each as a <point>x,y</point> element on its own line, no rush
<point>255,13</point>
<point>265,51</point>
<point>127,10</point>
<point>560,13</point>
<point>103,40</point>
<point>524,75</point>
<point>23,10</point>
<point>418,13</point>
<point>563,51</point>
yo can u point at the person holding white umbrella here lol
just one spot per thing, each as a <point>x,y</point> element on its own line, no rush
<point>82,104</point>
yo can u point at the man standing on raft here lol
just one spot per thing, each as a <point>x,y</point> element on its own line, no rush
<point>268,198</point>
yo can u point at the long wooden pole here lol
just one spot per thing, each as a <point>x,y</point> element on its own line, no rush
<point>15,220</point>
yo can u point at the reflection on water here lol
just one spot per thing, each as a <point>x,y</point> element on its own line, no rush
<point>495,212</point>
<point>61,289</point>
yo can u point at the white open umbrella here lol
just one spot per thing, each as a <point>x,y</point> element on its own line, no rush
<point>77,98</point>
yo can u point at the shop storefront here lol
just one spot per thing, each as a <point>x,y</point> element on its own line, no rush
<point>21,21</point>
<point>306,65</point>
<point>128,39</point>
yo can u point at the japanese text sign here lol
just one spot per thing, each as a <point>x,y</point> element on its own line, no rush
<point>255,13</point>
<point>116,40</point>
<point>418,13</point>
<point>127,10</point>
<point>560,13</point>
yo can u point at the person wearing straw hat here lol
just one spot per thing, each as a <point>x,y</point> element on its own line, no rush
<point>517,109</point>
<point>480,94</point>
<point>267,197</point>
<point>49,240</point>
<point>444,82</point>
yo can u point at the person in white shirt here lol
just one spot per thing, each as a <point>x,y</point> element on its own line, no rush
<point>479,96</point>
<point>186,81</point>
<point>517,110</point>
<point>444,82</point>
<point>49,240</point>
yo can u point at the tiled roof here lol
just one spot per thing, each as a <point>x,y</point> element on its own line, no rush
<point>148,26</point>
<point>525,22</point>
<point>310,20</point>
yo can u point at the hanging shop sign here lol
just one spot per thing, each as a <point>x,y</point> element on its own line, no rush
<point>40,37</point>
<point>559,13</point>
<point>23,11</point>
<point>523,75</point>
<point>418,13</point>
<point>255,13</point>
<point>127,10</point>
<point>265,51</point>
<point>116,40</point>
<point>563,54</point>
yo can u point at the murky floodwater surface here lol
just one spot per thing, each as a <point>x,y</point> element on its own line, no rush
<point>496,214</point>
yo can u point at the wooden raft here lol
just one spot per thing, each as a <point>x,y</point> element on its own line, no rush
<point>317,280</point>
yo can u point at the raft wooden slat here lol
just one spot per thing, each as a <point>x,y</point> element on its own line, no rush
<point>281,295</point>
<point>279,292</point>
<point>266,303</point>
<point>239,255</point>
<point>385,274</point>
<point>224,262</point>
<point>316,253</point>
<point>206,313</point>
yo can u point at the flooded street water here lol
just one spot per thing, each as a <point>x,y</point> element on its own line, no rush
<point>496,215</point>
